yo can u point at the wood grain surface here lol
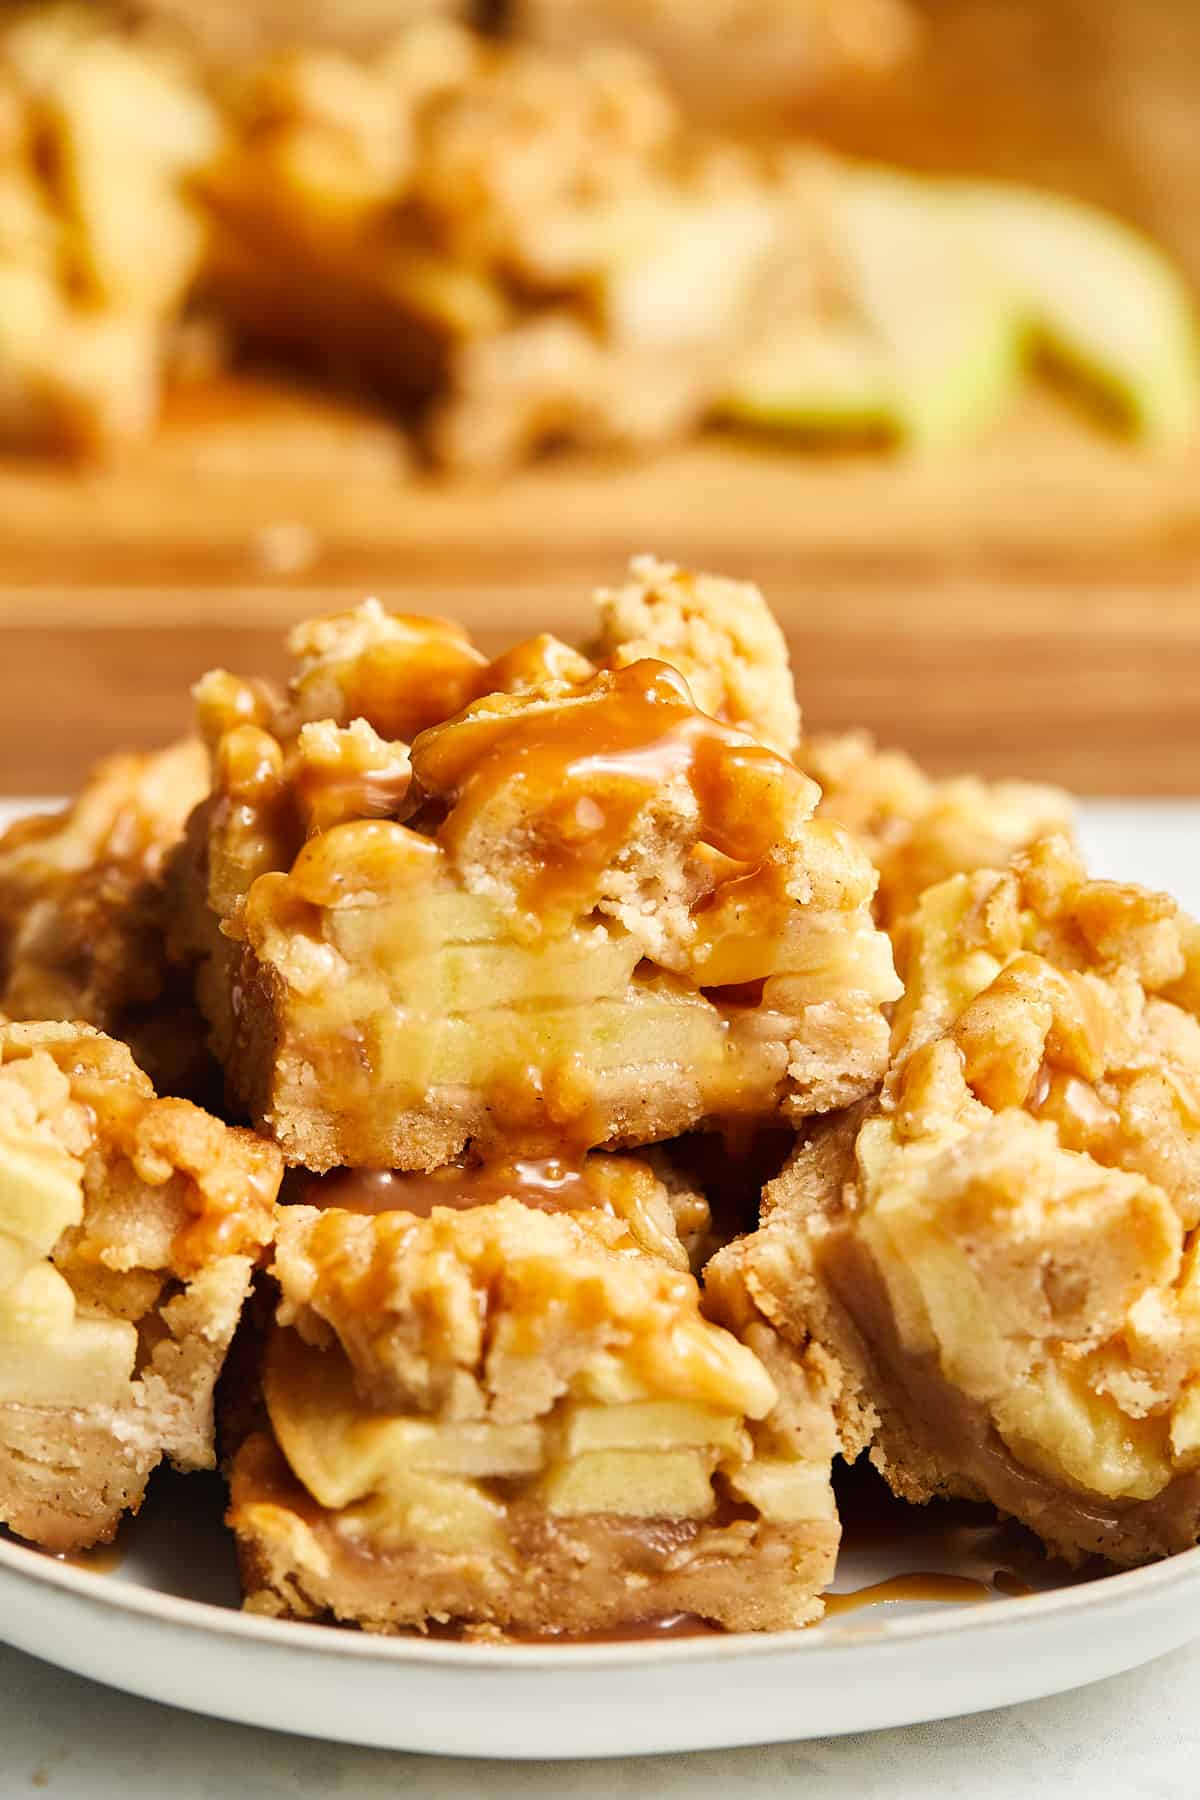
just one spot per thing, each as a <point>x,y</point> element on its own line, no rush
<point>1029,606</point>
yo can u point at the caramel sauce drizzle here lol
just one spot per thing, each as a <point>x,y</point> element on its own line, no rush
<point>1005,1581</point>
<point>101,1559</point>
<point>329,798</point>
<point>1085,1121</point>
<point>582,770</point>
<point>549,1184</point>
<point>955,1589</point>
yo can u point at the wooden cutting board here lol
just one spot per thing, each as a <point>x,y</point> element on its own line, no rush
<point>1031,605</point>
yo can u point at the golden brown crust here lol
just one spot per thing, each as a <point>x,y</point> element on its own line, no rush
<point>565,1576</point>
<point>129,1228</point>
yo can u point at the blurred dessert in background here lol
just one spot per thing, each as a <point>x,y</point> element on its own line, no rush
<point>531,249</point>
<point>737,60</point>
<point>99,238</point>
<point>224,35</point>
<point>726,59</point>
<point>523,247</point>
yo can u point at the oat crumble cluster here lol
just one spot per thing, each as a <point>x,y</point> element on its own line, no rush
<point>518,974</point>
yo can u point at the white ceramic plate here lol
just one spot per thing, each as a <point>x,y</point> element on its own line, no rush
<point>161,1621</point>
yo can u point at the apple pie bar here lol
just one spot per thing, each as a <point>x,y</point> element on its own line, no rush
<point>523,247</point>
<point>129,1228</point>
<point>1001,1250</point>
<point>508,1414</point>
<point>582,912</point>
<point>81,911</point>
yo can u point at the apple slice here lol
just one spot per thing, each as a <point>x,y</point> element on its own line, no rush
<point>1102,297</point>
<point>929,345</point>
<point>815,375</point>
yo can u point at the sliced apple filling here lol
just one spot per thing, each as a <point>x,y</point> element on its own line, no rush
<point>129,1227</point>
<point>517,1419</point>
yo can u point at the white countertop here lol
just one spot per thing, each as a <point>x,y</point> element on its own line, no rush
<point>1133,1738</point>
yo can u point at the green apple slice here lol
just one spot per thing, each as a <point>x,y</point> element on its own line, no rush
<point>815,375</point>
<point>951,325</point>
<point>930,344</point>
<point>1102,297</point>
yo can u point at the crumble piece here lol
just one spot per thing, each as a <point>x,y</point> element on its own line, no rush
<point>719,634</point>
<point>1001,1251</point>
<point>525,249</point>
<point>586,914</point>
<point>918,831</point>
<point>516,1420</point>
<point>99,239</point>
<point>129,1227</point>
<point>81,911</point>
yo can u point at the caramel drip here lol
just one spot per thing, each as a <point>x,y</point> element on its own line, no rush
<point>330,797</point>
<point>1085,1121</point>
<point>102,1559</point>
<point>1006,1581</point>
<point>954,1589</point>
<point>549,1184</point>
<point>580,773</point>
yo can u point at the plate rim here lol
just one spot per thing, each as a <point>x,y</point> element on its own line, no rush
<point>98,1588</point>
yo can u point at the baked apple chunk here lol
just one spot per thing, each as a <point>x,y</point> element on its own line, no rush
<point>515,1419</point>
<point>582,913</point>
<point>1002,1249</point>
<point>129,1227</point>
